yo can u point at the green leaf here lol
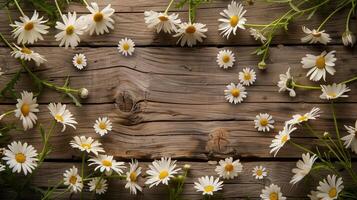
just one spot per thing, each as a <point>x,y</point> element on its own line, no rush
<point>9,87</point>
<point>74,99</point>
<point>294,7</point>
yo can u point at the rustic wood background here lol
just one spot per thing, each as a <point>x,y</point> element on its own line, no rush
<point>168,101</point>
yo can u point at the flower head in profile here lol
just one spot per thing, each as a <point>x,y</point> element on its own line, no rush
<point>272,192</point>
<point>102,126</point>
<point>247,77</point>
<point>228,169</point>
<point>235,93</point>
<point>27,54</point>
<point>62,115</point>
<point>162,21</point>
<point>29,30</point>
<point>319,65</point>
<point>264,122</point>
<point>208,185</point>
<point>161,171</point>
<point>86,144</point>
<point>312,115</point>
<point>26,108</point>
<point>281,138</point>
<point>350,140</point>
<point>225,59</point>
<point>303,167</point>
<point>330,188</point>
<point>79,61</point>
<point>314,36</point>
<point>190,33</point>
<point>259,172</point>
<point>233,18</point>
<point>98,184</point>
<point>107,163</point>
<point>348,39</point>
<point>286,83</point>
<point>73,180</point>
<point>132,177</point>
<point>334,91</point>
<point>71,28</point>
<point>99,21</point>
<point>126,47</point>
<point>258,35</point>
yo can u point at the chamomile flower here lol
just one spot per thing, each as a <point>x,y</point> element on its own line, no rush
<point>225,59</point>
<point>62,115</point>
<point>73,180</point>
<point>79,61</point>
<point>259,172</point>
<point>247,77</point>
<point>228,169</point>
<point>314,36</point>
<point>99,21</point>
<point>303,167</point>
<point>71,29</point>
<point>319,65</point>
<point>99,185</point>
<point>285,83</point>
<point>348,38</point>
<point>27,54</point>
<point>102,126</point>
<point>86,144</point>
<point>334,91</point>
<point>350,141</point>
<point>29,30</point>
<point>257,35</point>
<point>21,157</point>
<point>126,47</point>
<point>208,185</point>
<point>281,138</point>
<point>233,19</point>
<point>235,93</point>
<point>264,122</point>
<point>161,171</point>
<point>162,21</point>
<point>107,164</point>
<point>312,115</point>
<point>272,192</point>
<point>189,33</point>
<point>132,177</point>
<point>330,188</point>
<point>26,108</point>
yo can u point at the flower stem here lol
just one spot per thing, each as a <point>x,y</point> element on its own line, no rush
<point>349,16</point>
<point>58,8</point>
<point>189,11</point>
<point>349,80</point>
<point>49,192</point>
<point>169,6</point>
<point>85,2</point>
<point>18,7</point>
<point>331,14</point>
<point>301,147</point>
<point>306,86</point>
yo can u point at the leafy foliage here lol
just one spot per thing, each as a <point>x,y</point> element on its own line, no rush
<point>193,5</point>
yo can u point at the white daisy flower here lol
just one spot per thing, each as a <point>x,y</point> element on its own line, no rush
<point>107,164</point>
<point>319,65</point>
<point>62,115</point>
<point>208,185</point>
<point>334,91</point>
<point>21,157</point>
<point>235,93</point>
<point>2,167</point>
<point>86,144</point>
<point>126,47</point>
<point>272,192</point>
<point>191,33</point>
<point>225,59</point>
<point>71,29</point>
<point>162,21</point>
<point>314,36</point>
<point>161,171</point>
<point>73,180</point>
<point>281,138</point>
<point>233,19</point>
<point>259,172</point>
<point>27,54</point>
<point>99,185</point>
<point>228,169</point>
<point>29,30</point>
<point>312,115</point>
<point>102,126</point>
<point>247,77</point>
<point>348,38</point>
<point>330,188</point>
<point>264,122</point>
<point>313,195</point>
<point>285,83</point>
<point>132,177</point>
<point>303,167</point>
<point>79,61</point>
<point>350,141</point>
<point>257,35</point>
<point>26,108</point>
<point>99,20</point>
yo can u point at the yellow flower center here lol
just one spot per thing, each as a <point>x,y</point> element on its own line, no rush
<point>163,174</point>
<point>133,177</point>
<point>259,172</point>
<point>98,17</point>
<point>284,138</point>
<point>191,29</point>
<point>86,146</point>
<point>20,158</point>
<point>229,167</point>
<point>226,58</point>
<point>29,26</point>
<point>332,192</point>
<point>102,126</point>
<point>126,46</point>
<point>26,50</point>
<point>263,122</point>
<point>332,94</point>
<point>163,18</point>
<point>79,61</point>
<point>303,118</point>
<point>70,30</point>
<point>234,20</point>
<point>247,76</point>
<point>235,92</point>
<point>273,196</point>
<point>320,62</point>
<point>98,186</point>
<point>25,109</point>
<point>73,180</point>
<point>208,188</point>
<point>106,163</point>
<point>59,118</point>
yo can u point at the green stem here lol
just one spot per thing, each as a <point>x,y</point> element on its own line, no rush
<point>6,113</point>
<point>189,11</point>
<point>58,8</point>
<point>18,7</point>
<point>45,142</point>
<point>49,193</point>
<point>6,42</point>
<point>85,2</point>
<point>349,17</point>
<point>349,80</point>
<point>331,14</point>
<point>306,86</point>
<point>169,6</point>
<point>301,147</point>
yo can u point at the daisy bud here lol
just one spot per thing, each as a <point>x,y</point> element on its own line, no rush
<point>186,167</point>
<point>348,38</point>
<point>108,173</point>
<point>326,134</point>
<point>180,178</point>
<point>83,93</point>
<point>262,65</point>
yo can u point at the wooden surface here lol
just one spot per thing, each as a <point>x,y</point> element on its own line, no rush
<point>166,100</point>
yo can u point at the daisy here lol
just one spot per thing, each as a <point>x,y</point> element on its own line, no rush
<point>27,54</point>
<point>330,188</point>
<point>99,185</point>
<point>319,65</point>
<point>126,46</point>
<point>161,171</point>
<point>225,59</point>
<point>233,19</point>
<point>264,122</point>
<point>71,28</point>
<point>79,61</point>
<point>228,169</point>
<point>73,180</point>
<point>334,91</point>
<point>107,163</point>
<point>207,185</point>
<point>191,33</point>
<point>312,115</point>
<point>247,77</point>
<point>162,21</point>
<point>281,138</point>
<point>99,21</point>
<point>26,108</point>
<point>285,83</point>
<point>314,36</point>
<point>235,93</point>
<point>29,30</point>
<point>348,38</point>
<point>102,126</point>
<point>62,115</point>
<point>86,144</point>
<point>272,192</point>
<point>259,172</point>
<point>21,157</point>
<point>257,35</point>
<point>303,167</point>
<point>350,141</point>
<point>132,177</point>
